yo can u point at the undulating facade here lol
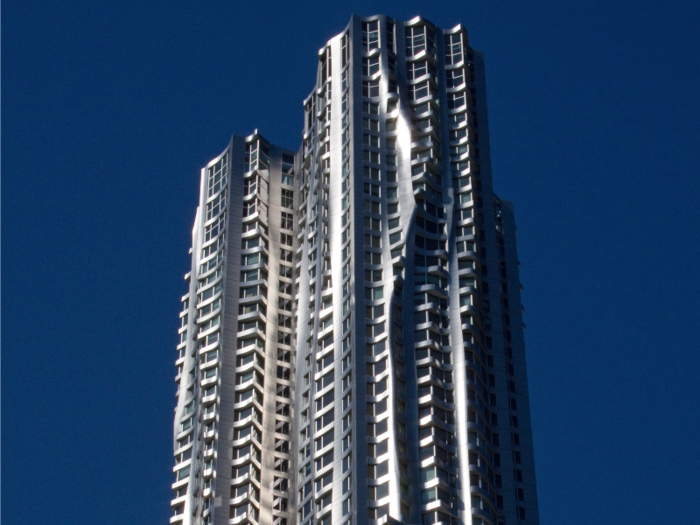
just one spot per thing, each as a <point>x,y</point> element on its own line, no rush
<point>351,343</point>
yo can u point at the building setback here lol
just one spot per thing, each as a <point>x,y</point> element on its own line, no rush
<point>351,344</point>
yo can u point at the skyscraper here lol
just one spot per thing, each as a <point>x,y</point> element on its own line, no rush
<point>351,342</point>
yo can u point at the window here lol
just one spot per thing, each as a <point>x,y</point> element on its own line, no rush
<point>325,381</point>
<point>373,258</point>
<point>372,189</point>
<point>420,90</point>
<point>325,400</point>
<point>284,320</point>
<point>379,492</point>
<point>370,140</point>
<point>372,173</point>
<point>418,69</point>
<point>215,206</point>
<point>373,224</point>
<point>287,221</point>
<point>374,276</point>
<point>374,312</point>
<point>284,338</point>
<point>250,186</point>
<point>328,478</point>
<point>415,40</point>
<point>370,124</point>
<point>249,208</point>
<point>375,330</point>
<point>285,271</point>
<point>377,430</point>
<point>374,294</point>
<point>217,176</point>
<point>456,100</point>
<point>322,422</point>
<point>324,362</point>
<point>455,77</point>
<point>374,241</point>
<point>390,36</point>
<point>381,448</point>
<point>214,229</point>
<point>247,244</point>
<point>183,473</point>
<point>345,51</point>
<point>255,258</point>
<point>370,66</point>
<point>370,36</point>
<point>370,88</point>
<point>458,134</point>
<point>370,108</point>
<point>251,275</point>
<point>325,460</point>
<point>453,48</point>
<point>372,206</point>
<point>286,239</point>
<point>287,199</point>
<point>371,156</point>
<point>288,170</point>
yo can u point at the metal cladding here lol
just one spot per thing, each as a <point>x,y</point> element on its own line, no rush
<point>351,345</point>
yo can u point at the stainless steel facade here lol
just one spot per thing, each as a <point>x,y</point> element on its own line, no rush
<point>352,342</point>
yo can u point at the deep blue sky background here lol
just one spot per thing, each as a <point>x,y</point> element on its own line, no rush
<point>109,109</point>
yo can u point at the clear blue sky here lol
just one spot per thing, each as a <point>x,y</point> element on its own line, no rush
<point>109,109</point>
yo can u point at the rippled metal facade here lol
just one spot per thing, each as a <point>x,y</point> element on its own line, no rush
<point>352,341</point>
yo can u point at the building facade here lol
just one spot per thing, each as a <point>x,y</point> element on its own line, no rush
<point>352,345</point>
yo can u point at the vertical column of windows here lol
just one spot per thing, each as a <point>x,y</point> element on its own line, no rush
<point>428,300</point>
<point>391,36</point>
<point>392,187</point>
<point>375,319</point>
<point>345,51</point>
<point>324,407</point>
<point>395,237</point>
<point>184,439</point>
<point>319,399</point>
<point>377,374</point>
<point>249,386</point>
<point>308,207</point>
<point>513,422</point>
<point>370,59</point>
<point>390,128</point>
<point>343,352</point>
<point>286,340</point>
<point>203,407</point>
<point>433,353</point>
<point>484,462</point>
